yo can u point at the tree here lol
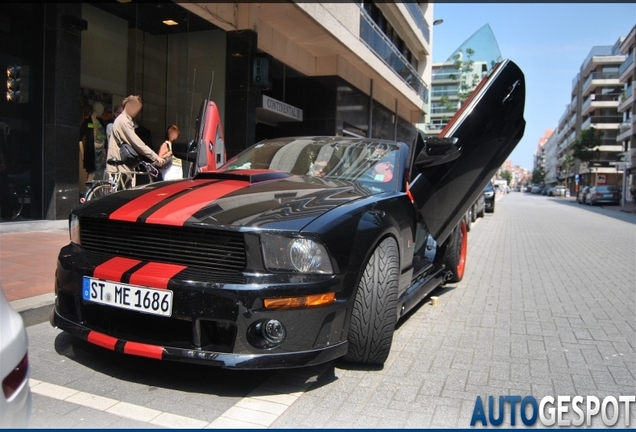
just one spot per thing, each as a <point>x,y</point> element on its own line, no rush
<point>507,176</point>
<point>538,175</point>
<point>567,165</point>
<point>468,79</point>
<point>585,147</point>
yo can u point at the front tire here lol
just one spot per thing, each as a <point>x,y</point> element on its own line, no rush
<point>374,312</point>
<point>455,253</point>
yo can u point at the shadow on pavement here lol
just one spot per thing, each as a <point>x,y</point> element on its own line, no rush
<point>602,210</point>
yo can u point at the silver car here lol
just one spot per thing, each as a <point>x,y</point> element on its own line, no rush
<point>15,401</point>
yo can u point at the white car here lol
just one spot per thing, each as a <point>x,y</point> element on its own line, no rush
<point>15,400</point>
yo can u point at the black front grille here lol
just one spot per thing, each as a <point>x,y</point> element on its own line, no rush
<point>211,251</point>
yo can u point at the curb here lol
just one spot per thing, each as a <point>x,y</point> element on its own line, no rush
<point>27,226</point>
<point>34,310</point>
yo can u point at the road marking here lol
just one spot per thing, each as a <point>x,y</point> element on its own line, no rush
<point>259,409</point>
<point>112,406</point>
<point>266,403</point>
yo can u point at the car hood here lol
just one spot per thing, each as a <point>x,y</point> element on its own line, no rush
<point>255,199</point>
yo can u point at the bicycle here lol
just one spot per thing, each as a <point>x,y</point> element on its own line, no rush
<point>118,181</point>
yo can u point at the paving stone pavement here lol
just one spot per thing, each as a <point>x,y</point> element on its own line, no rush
<point>547,307</point>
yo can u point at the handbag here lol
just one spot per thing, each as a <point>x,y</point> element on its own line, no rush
<point>128,155</point>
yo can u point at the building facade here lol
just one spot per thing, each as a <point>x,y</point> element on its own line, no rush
<point>539,154</point>
<point>349,69</point>
<point>594,105</point>
<point>626,137</point>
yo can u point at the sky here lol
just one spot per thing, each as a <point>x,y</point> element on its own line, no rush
<point>549,42</point>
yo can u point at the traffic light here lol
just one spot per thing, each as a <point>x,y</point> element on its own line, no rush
<point>17,84</point>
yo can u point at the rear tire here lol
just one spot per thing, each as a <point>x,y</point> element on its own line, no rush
<point>469,218</point>
<point>473,213</point>
<point>455,253</point>
<point>374,312</point>
<point>97,191</point>
<point>482,213</point>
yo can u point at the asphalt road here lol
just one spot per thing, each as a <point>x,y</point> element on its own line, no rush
<point>547,307</point>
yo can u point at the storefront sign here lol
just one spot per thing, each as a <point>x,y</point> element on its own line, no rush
<point>260,73</point>
<point>601,179</point>
<point>282,109</point>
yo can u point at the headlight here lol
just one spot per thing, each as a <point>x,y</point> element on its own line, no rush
<point>74,228</point>
<point>488,194</point>
<point>295,254</point>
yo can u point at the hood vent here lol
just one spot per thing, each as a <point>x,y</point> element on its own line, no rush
<point>252,176</point>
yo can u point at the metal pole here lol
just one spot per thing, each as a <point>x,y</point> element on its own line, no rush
<point>396,121</point>
<point>370,126</point>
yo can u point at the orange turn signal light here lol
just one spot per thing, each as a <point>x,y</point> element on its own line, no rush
<point>300,302</point>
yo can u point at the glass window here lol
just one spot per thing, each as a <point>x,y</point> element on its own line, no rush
<point>159,51</point>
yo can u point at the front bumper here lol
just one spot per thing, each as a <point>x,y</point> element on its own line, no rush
<point>211,323</point>
<point>224,360</point>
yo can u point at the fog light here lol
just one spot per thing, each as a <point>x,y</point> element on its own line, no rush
<point>274,331</point>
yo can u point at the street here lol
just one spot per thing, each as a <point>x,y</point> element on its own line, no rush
<point>547,307</point>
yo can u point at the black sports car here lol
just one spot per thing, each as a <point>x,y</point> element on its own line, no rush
<point>295,252</point>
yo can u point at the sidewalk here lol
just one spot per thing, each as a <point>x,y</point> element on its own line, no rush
<point>28,261</point>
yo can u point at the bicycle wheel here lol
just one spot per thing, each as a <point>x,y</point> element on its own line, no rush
<point>97,191</point>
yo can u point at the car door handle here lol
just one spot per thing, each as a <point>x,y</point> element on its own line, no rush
<point>508,97</point>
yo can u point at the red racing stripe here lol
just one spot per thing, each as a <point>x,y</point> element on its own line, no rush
<point>143,350</point>
<point>102,340</point>
<point>114,268</point>
<point>130,211</point>
<point>177,212</point>
<point>155,275</point>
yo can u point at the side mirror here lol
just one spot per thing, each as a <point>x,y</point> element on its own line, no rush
<point>185,150</point>
<point>437,151</point>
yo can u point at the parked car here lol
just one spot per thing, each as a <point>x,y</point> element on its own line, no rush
<point>297,251</point>
<point>558,191</point>
<point>581,197</point>
<point>603,195</point>
<point>15,402</point>
<point>475,211</point>
<point>545,191</point>
<point>536,189</point>
<point>489,198</point>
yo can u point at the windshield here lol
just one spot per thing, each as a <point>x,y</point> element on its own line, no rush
<point>348,159</point>
<point>606,189</point>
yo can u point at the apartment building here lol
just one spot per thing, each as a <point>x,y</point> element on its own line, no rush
<point>274,69</point>
<point>594,103</point>
<point>626,137</point>
<point>539,154</point>
<point>549,150</point>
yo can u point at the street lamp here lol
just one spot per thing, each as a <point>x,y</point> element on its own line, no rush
<point>438,22</point>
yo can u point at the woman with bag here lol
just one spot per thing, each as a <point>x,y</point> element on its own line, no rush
<point>172,169</point>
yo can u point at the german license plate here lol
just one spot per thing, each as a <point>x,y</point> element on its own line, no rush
<point>140,299</point>
<point>607,195</point>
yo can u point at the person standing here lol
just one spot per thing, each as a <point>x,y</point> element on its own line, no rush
<point>109,126</point>
<point>173,168</point>
<point>124,132</point>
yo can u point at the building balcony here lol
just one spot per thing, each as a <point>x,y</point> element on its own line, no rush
<point>599,79</point>
<point>599,101</point>
<point>625,130</point>
<point>377,42</point>
<point>601,55</point>
<point>572,107</point>
<point>602,122</point>
<point>626,99</point>
<point>433,128</point>
<point>575,81</point>
<point>626,69</point>
<point>420,20</point>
